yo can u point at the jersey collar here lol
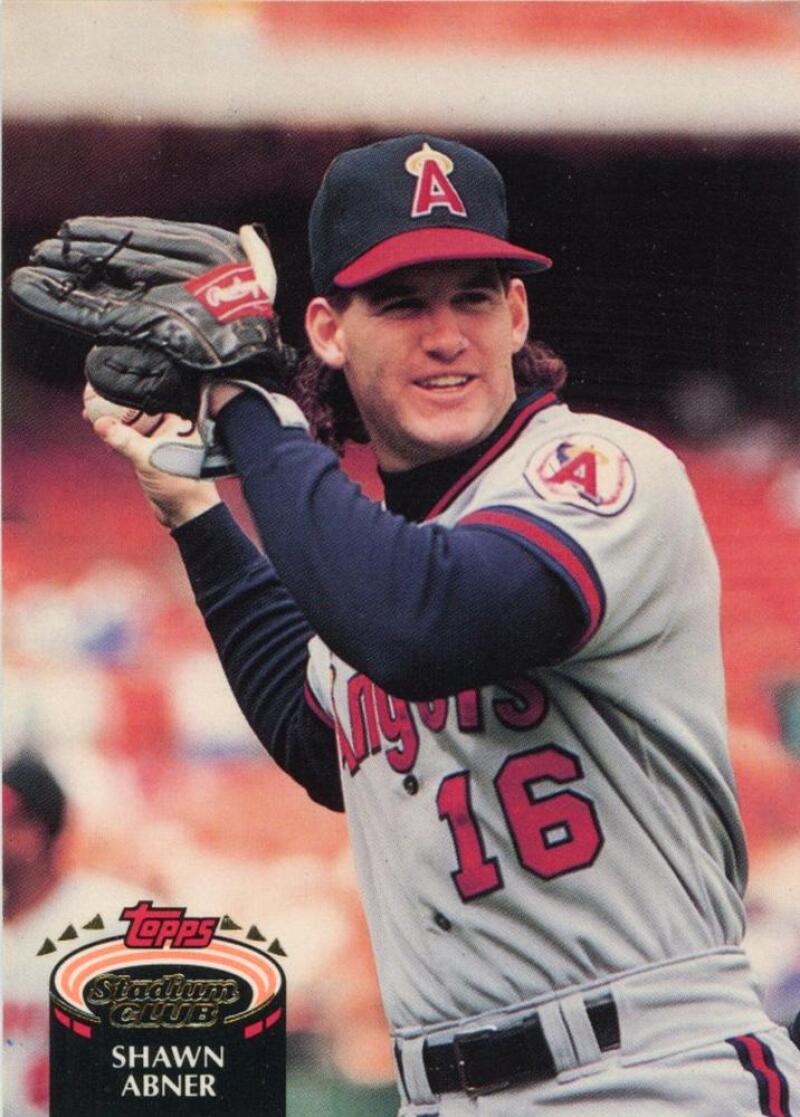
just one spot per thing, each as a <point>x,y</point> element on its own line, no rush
<point>425,491</point>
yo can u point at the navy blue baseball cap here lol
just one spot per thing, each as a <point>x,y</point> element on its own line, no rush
<point>411,200</point>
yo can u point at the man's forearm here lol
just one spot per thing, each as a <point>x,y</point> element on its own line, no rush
<point>262,641</point>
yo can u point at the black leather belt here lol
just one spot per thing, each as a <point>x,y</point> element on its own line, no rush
<point>492,1059</point>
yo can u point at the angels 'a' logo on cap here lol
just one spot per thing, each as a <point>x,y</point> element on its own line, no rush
<point>431,169</point>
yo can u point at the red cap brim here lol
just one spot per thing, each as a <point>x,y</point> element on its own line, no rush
<point>427,246</point>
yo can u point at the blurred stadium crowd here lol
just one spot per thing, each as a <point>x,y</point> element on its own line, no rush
<point>676,303</point>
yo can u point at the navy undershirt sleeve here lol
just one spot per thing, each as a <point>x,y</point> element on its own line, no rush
<point>423,610</point>
<point>262,641</point>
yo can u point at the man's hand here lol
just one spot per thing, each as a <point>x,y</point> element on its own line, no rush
<point>175,500</point>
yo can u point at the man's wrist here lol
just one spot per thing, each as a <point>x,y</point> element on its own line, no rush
<point>189,510</point>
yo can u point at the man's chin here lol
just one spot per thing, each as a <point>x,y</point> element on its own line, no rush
<point>425,439</point>
<point>446,444</point>
<point>460,431</point>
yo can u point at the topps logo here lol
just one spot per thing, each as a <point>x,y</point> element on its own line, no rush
<point>151,927</point>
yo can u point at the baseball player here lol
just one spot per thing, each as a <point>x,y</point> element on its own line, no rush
<point>509,676</point>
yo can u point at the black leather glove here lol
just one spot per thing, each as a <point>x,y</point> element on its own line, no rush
<point>173,305</point>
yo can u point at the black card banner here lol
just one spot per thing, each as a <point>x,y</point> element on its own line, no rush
<point>168,1032</point>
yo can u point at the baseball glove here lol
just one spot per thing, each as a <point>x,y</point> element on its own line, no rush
<point>172,305</point>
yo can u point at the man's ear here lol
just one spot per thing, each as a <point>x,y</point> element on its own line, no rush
<point>517,298</point>
<point>324,334</point>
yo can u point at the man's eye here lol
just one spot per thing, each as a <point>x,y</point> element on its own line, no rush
<point>473,298</point>
<point>400,305</point>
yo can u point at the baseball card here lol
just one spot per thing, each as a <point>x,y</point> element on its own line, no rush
<point>401,505</point>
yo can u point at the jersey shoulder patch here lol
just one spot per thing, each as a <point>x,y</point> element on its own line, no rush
<point>585,470</point>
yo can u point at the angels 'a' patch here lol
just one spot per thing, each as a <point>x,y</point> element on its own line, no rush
<point>584,470</point>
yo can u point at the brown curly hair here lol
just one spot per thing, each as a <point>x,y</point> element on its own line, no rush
<point>324,397</point>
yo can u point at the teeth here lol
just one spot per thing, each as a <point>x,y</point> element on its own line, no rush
<point>444,381</point>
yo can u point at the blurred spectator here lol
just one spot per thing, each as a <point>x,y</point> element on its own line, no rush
<point>703,405</point>
<point>33,816</point>
<point>45,911</point>
<point>786,695</point>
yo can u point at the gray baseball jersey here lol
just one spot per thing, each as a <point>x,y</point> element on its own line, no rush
<point>579,820</point>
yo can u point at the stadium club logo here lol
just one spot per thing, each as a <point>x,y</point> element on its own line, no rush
<point>431,169</point>
<point>172,1018</point>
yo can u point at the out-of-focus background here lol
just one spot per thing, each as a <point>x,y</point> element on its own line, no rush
<point>652,149</point>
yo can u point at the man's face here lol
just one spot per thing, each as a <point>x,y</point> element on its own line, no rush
<point>25,849</point>
<point>427,353</point>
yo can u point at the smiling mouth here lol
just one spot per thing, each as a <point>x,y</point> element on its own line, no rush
<point>444,382</point>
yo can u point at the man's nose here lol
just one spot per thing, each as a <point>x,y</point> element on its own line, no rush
<point>442,336</point>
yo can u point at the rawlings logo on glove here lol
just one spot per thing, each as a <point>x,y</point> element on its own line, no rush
<point>231,291</point>
<point>173,306</point>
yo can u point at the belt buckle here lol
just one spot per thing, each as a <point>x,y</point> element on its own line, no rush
<point>461,1045</point>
